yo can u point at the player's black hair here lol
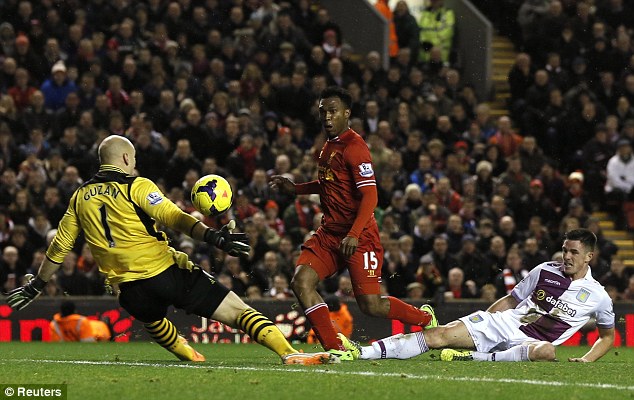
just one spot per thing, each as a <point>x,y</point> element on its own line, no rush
<point>67,308</point>
<point>585,236</point>
<point>341,93</point>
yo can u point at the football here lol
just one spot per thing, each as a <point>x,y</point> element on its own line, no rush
<point>212,195</point>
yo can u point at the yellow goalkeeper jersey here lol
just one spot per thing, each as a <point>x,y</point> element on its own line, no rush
<point>118,214</point>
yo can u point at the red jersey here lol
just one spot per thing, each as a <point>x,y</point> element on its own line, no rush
<point>344,166</point>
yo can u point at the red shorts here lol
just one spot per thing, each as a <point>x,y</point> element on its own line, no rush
<point>321,253</point>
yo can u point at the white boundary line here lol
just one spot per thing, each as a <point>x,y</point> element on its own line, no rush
<point>333,372</point>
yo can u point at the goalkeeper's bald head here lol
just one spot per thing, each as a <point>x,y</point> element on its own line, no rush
<point>118,151</point>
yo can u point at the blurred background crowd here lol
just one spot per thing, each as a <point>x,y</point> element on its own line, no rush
<point>468,202</point>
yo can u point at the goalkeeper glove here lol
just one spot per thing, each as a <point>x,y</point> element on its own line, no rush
<point>21,297</point>
<point>233,244</point>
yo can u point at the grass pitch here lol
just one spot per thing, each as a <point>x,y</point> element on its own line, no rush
<point>248,371</point>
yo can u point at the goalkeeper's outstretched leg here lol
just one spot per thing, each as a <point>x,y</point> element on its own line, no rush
<point>237,314</point>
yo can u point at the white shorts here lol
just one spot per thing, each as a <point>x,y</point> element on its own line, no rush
<point>495,331</point>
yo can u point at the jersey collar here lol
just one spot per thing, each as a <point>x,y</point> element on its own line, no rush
<point>587,276</point>
<point>111,168</point>
<point>340,136</point>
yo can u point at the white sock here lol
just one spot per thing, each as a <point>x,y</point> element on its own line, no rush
<point>397,346</point>
<point>517,353</point>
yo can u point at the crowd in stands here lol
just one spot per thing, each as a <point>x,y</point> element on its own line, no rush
<point>467,203</point>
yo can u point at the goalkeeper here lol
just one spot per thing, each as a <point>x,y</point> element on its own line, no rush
<point>118,213</point>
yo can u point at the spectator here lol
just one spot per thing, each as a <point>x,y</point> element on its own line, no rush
<point>66,117</point>
<point>532,255</point>
<point>240,279</point>
<point>21,209</point>
<point>383,8</point>
<point>520,78</point>
<point>575,190</point>
<point>182,161</point>
<point>535,203</point>
<point>254,293</point>
<point>57,87</point>
<point>516,178</point>
<point>397,275</point>
<point>583,127</point>
<point>280,290</point>
<point>12,269</point>
<point>530,17</point>
<point>508,141</point>
<point>554,185</point>
<point>26,57</point>
<point>620,179</point>
<point>436,29</point>
<point>429,276</point>
<point>496,255</point>
<point>443,260</point>
<point>344,288</point>
<point>88,266</point>
<point>39,225</point>
<point>415,291</point>
<point>531,155</point>
<point>22,91</point>
<point>293,100</point>
<point>395,216</point>
<point>446,196</point>
<point>53,206</point>
<point>194,133</point>
<point>617,277</point>
<point>458,288</point>
<point>511,274</point>
<point>607,248</point>
<point>68,183</point>
<point>70,279</point>
<point>322,24</point>
<point>9,116</point>
<point>628,294</point>
<point>37,115</point>
<point>407,29</point>
<point>472,262</point>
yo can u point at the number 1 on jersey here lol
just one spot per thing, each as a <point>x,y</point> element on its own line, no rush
<point>106,228</point>
<point>369,260</point>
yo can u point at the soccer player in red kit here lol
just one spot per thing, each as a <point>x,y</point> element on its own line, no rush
<point>348,237</point>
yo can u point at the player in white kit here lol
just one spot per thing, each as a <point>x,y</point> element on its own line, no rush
<point>547,307</point>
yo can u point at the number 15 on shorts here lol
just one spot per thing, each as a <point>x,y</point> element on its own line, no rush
<point>370,262</point>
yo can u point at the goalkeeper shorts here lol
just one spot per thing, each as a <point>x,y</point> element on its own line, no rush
<point>194,291</point>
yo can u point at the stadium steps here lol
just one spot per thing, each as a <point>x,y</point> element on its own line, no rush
<point>503,58</point>
<point>623,239</point>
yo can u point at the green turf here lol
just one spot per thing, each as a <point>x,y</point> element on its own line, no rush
<point>146,371</point>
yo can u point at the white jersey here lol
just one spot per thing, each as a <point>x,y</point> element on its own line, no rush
<point>552,307</point>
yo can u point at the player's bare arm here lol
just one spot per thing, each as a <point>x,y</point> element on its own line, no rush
<point>505,303</point>
<point>600,347</point>
<point>47,269</point>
